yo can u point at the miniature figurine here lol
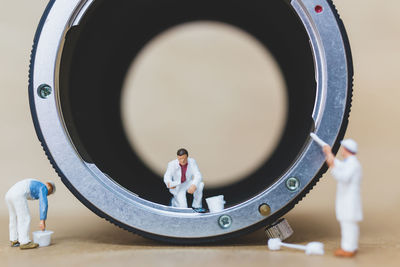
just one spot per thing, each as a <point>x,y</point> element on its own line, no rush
<point>18,209</point>
<point>348,174</point>
<point>183,176</point>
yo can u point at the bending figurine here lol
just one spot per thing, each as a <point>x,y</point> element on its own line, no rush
<point>18,209</point>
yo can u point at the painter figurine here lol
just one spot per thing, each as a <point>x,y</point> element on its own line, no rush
<point>20,218</point>
<point>348,174</point>
<point>183,176</point>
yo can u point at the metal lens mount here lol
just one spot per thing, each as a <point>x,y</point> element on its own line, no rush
<point>82,50</point>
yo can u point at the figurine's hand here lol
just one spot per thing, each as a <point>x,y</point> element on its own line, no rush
<point>327,150</point>
<point>171,187</point>
<point>192,189</point>
<point>42,225</point>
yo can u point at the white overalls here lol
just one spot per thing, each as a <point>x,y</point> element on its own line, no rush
<point>348,174</point>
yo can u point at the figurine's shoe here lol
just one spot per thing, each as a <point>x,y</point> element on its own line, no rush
<point>29,245</point>
<point>14,244</point>
<point>200,210</point>
<point>343,253</point>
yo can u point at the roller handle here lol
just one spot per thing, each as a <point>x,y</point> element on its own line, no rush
<point>318,140</point>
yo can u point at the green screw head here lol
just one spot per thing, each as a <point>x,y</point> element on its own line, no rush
<point>292,183</point>
<point>44,91</point>
<point>225,221</point>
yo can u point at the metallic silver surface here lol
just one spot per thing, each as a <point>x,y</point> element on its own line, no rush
<point>128,208</point>
<point>280,229</point>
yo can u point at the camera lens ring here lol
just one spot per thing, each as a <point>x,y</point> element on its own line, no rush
<point>331,81</point>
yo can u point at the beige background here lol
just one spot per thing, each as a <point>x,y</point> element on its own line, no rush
<point>82,238</point>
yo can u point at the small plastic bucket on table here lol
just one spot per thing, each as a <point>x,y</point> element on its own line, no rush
<point>43,238</point>
<point>216,204</point>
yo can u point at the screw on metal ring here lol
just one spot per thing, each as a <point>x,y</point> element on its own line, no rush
<point>292,183</point>
<point>44,91</point>
<point>225,221</point>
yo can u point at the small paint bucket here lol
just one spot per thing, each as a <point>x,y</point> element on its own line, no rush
<point>216,204</point>
<point>43,238</point>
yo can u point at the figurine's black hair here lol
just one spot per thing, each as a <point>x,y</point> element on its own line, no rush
<point>182,152</point>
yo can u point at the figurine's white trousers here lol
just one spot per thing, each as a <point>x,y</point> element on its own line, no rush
<point>179,198</point>
<point>20,218</point>
<point>350,234</point>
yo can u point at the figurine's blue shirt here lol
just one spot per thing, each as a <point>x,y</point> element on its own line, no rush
<point>39,191</point>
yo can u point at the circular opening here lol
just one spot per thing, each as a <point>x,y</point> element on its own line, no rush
<point>211,88</point>
<point>96,58</point>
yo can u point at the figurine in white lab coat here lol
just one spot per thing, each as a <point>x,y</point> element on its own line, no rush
<point>348,174</point>
<point>183,176</point>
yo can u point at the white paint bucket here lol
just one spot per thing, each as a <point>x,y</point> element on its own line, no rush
<point>216,204</point>
<point>43,238</point>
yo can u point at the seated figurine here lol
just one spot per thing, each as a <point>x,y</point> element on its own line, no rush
<point>183,176</point>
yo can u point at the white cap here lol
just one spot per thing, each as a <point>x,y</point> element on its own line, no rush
<point>53,185</point>
<point>350,145</point>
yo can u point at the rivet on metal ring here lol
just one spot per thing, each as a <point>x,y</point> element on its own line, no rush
<point>264,209</point>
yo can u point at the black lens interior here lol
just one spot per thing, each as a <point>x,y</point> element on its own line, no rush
<point>98,52</point>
